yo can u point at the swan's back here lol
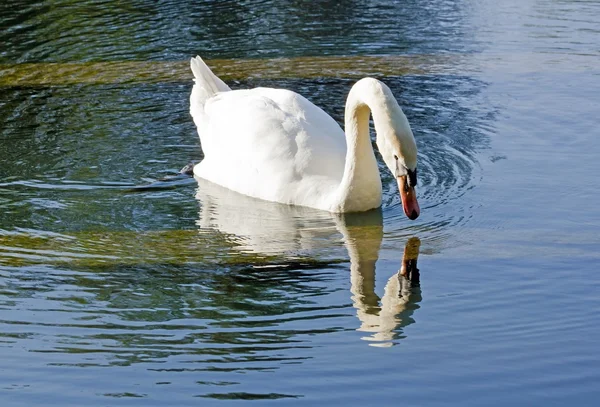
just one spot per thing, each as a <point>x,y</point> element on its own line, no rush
<point>268,143</point>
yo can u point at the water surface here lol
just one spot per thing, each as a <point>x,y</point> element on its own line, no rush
<point>120,288</point>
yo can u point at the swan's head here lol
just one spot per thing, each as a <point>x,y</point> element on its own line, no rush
<point>398,149</point>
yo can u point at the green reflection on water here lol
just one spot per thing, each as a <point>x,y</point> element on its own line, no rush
<point>55,74</point>
<point>127,248</point>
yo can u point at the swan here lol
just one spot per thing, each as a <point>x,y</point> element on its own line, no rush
<point>275,145</point>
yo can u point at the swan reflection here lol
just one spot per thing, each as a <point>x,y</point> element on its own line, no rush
<point>271,228</point>
<point>382,317</point>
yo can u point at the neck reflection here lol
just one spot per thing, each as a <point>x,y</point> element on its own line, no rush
<point>382,318</point>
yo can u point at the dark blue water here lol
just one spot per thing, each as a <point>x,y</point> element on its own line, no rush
<point>120,288</point>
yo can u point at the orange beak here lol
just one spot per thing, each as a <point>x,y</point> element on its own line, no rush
<point>409,199</point>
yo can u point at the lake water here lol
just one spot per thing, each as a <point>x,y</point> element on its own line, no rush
<point>119,288</point>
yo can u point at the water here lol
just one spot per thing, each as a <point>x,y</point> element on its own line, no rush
<point>117,288</point>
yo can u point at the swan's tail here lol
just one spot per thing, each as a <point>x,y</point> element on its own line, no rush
<point>207,84</point>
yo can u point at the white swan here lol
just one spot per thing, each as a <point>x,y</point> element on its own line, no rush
<point>275,145</point>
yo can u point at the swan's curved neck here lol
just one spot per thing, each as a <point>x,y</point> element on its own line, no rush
<point>360,188</point>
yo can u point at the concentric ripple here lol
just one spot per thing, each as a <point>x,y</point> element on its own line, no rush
<point>450,122</point>
<point>448,118</point>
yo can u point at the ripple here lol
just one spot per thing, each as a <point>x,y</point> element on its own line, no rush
<point>450,132</point>
<point>103,30</point>
<point>198,320</point>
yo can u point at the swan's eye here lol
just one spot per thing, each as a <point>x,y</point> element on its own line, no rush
<point>395,157</point>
